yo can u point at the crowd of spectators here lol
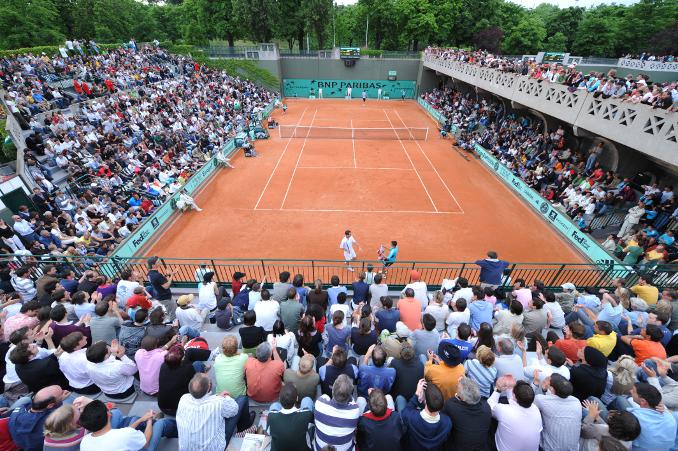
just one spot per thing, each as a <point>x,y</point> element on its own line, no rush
<point>629,89</point>
<point>154,121</point>
<point>572,179</point>
<point>504,365</point>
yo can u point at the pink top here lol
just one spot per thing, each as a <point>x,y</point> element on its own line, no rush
<point>148,363</point>
<point>524,295</point>
<point>18,321</point>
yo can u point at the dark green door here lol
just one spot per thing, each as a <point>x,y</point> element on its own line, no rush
<point>14,199</point>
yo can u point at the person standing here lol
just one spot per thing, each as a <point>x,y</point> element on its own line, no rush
<point>392,255</point>
<point>491,270</point>
<point>349,91</point>
<point>320,93</point>
<point>347,243</point>
<point>379,94</point>
<point>364,96</point>
<point>161,285</point>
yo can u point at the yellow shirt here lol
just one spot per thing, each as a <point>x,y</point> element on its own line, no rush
<point>647,293</point>
<point>444,377</point>
<point>603,343</point>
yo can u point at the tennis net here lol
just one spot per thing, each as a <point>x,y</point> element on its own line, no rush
<point>313,131</point>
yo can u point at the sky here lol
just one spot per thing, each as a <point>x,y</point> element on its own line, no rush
<point>533,3</point>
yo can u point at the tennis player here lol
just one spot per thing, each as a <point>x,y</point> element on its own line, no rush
<point>347,243</point>
<point>364,95</point>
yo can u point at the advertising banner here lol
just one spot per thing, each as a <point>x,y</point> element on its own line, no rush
<point>300,87</point>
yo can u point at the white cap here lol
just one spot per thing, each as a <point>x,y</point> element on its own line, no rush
<point>568,286</point>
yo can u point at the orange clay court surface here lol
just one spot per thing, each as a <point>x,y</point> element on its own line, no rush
<point>296,198</point>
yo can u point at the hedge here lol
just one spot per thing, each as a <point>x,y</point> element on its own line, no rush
<point>48,49</point>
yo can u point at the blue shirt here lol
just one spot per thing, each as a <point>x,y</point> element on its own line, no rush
<point>360,290</point>
<point>332,293</point>
<point>392,254</point>
<point>589,301</point>
<point>388,319</point>
<point>481,312</point>
<point>69,285</point>
<point>375,377</point>
<point>491,270</point>
<point>666,239</point>
<point>657,430</point>
<point>611,314</point>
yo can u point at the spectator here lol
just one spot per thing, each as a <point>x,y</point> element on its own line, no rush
<point>375,375</point>
<point>462,341</point>
<point>508,362</point>
<point>410,310</point>
<point>589,378</point>
<point>645,290</point>
<point>73,364</point>
<point>308,338</point>
<point>158,328</point>
<point>426,339</point>
<point>444,369</point>
<point>505,319</point>
<point>647,345</point>
<point>459,315</point>
<point>604,338</point>
<point>190,316</point>
<point>363,336</point>
<point>426,429</point>
<point>360,290</point>
<point>229,368</point>
<point>337,333</point>
<point>621,425</point>
<point>561,414</point>
<point>393,343</point>
<point>305,378</point>
<point>280,288</point>
<point>175,374</point>
<point>251,335</point>
<point>132,332</point>
<point>287,425</point>
<point>519,421</point>
<point>535,319</point>
<point>267,311</point>
<point>481,370</point>
<point>480,309</point>
<point>317,295</point>
<point>201,415</point>
<point>62,326</point>
<point>337,418</point>
<point>337,365</point>
<point>334,290</point>
<point>380,427</point>
<point>264,376</point>
<point>657,429</point>
<point>149,358</point>
<point>491,270</point>
<point>419,292</point>
<point>34,371</point>
<point>387,316</point>
<point>106,321</point>
<point>224,315</point>
<point>62,431</point>
<point>26,423</point>
<point>27,317</point>
<point>111,370</point>
<point>161,286</point>
<point>408,371</point>
<point>291,310</point>
<point>471,418</point>
<point>96,418</point>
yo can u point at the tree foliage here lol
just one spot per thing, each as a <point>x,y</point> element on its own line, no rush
<point>498,25</point>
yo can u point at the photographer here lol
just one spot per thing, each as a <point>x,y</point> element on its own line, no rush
<point>161,286</point>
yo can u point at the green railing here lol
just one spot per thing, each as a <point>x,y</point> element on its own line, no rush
<point>553,275</point>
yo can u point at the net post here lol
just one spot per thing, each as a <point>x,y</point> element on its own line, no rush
<point>279,131</point>
<point>426,137</point>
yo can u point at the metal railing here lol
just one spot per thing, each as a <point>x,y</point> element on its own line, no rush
<point>611,219</point>
<point>553,275</point>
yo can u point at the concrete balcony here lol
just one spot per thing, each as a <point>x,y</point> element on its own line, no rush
<point>652,132</point>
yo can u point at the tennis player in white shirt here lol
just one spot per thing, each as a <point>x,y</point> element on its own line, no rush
<point>347,243</point>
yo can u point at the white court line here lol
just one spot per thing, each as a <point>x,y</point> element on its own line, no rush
<point>355,164</point>
<point>289,185</point>
<point>360,211</point>
<point>432,165</point>
<point>270,177</point>
<point>351,167</point>
<point>413,167</point>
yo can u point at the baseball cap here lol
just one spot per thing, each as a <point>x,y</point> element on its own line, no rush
<point>568,286</point>
<point>238,275</point>
<point>449,353</point>
<point>402,330</point>
<point>414,274</point>
<point>185,299</point>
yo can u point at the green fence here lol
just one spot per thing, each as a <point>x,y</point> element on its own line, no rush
<point>553,275</point>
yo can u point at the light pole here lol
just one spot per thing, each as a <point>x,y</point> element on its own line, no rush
<point>367,28</point>
<point>334,24</point>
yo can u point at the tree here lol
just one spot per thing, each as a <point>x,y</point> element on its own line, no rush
<point>566,21</point>
<point>526,37</point>
<point>349,25</point>
<point>597,34</point>
<point>666,41</point>
<point>416,21</point>
<point>556,43</point>
<point>489,39</point>
<point>318,15</point>
<point>26,24</point>
<point>257,18</point>
<point>381,20</point>
<point>220,19</point>
<point>291,23</point>
<point>639,22</point>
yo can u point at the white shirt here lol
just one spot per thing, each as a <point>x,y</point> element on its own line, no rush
<point>519,428</point>
<point>267,313</point>
<point>125,439</point>
<point>557,314</point>
<point>463,293</point>
<point>74,367</point>
<point>287,342</point>
<point>420,292</point>
<point>113,376</point>
<point>124,291</point>
<point>189,317</point>
<point>454,319</point>
<point>200,422</point>
<point>206,296</point>
<point>343,308</point>
<point>545,370</point>
<point>347,245</point>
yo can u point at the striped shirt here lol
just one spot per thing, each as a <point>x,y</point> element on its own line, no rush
<point>201,424</point>
<point>335,424</point>
<point>25,287</point>
<point>482,376</point>
<point>562,422</point>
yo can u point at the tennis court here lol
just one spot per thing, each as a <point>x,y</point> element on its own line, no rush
<point>378,168</point>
